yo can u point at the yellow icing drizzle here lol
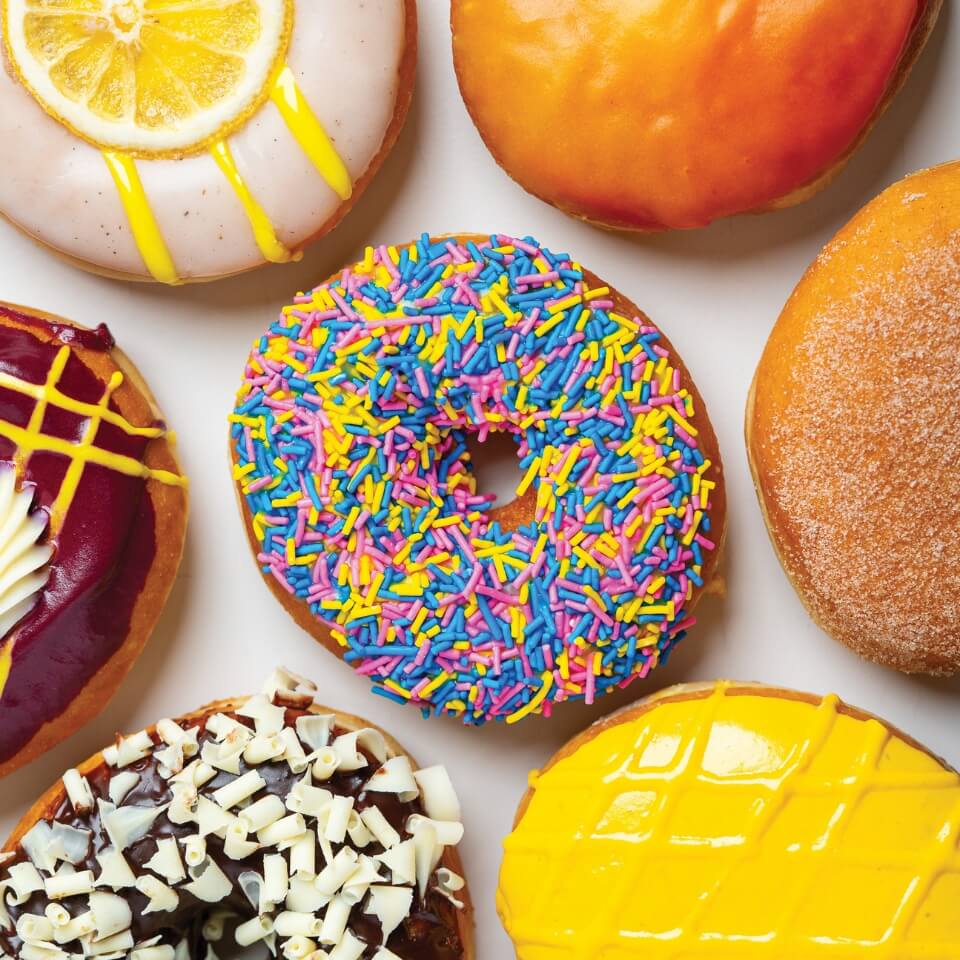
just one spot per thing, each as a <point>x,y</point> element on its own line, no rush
<point>6,660</point>
<point>143,224</point>
<point>71,480</point>
<point>263,231</point>
<point>309,133</point>
<point>49,393</point>
<point>41,395</point>
<point>103,458</point>
<point>305,128</point>
<point>30,439</point>
<point>737,824</point>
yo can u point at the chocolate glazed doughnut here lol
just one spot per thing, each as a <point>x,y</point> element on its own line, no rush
<point>269,819</point>
<point>93,513</point>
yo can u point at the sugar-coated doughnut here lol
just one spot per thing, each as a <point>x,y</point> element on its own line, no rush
<point>349,448</point>
<point>269,820</point>
<point>93,512</point>
<point>661,114</point>
<point>736,820</point>
<point>164,141</point>
<point>852,441</point>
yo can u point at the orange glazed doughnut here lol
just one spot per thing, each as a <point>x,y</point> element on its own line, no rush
<point>661,114</point>
<point>852,434</point>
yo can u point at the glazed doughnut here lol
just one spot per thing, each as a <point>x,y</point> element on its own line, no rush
<point>862,510</point>
<point>153,141</point>
<point>267,820</point>
<point>93,511</point>
<point>663,115</point>
<point>736,820</point>
<point>349,448</point>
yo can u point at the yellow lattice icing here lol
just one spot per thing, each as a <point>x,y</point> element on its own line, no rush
<point>32,438</point>
<point>737,823</point>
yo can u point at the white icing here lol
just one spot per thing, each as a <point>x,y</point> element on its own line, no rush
<point>345,56</point>
<point>23,559</point>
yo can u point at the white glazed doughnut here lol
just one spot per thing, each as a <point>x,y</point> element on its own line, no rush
<point>352,63</point>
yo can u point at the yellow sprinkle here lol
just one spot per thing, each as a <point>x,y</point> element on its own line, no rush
<point>597,293</point>
<point>435,684</point>
<point>396,688</point>
<point>692,532</point>
<point>351,520</point>
<point>687,426</point>
<point>552,321</point>
<point>528,477</point>
<point>536,700</point>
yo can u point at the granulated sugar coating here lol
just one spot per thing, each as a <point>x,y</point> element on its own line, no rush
<point>853,434</point>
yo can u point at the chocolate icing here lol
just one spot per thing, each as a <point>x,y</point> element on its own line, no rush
<point>103,551</point>
<point>430,933</point>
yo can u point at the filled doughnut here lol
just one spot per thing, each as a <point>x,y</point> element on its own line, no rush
<point>736,820</point>
<point>850,432</point>
<point>152,140</point>
<point>349,444</point>
<point>267,820</point>
<point>93,511</point>
<point>664,115</point>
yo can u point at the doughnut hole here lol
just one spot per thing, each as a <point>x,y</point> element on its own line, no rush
<point>496,466</point>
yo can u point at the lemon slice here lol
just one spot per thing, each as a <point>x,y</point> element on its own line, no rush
<point>148,76</point>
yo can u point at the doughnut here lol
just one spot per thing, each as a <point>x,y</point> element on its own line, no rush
<point>736,820</point>
<point>670,115</point>
<point>93,511</point>
<point>148,140</point>
<point>864,505</point>
<point>265,820</point>
<point>349,446</point>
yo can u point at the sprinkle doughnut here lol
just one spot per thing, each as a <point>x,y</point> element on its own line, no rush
<point>269,820</point>
<point>349,447</point>
<point>175,142</point>
<point>863,511</point>
<point>670,115</point>
<point>736,820</point>
<point>93,512</point>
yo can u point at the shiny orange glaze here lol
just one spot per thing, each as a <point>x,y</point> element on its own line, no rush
<point>653,114</point>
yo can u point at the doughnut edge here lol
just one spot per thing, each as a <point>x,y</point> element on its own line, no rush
<point>171,506</point>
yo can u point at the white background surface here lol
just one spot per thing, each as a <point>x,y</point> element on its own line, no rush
<point>716,292</point>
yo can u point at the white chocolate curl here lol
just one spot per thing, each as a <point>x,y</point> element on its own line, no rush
<point>78,792</point>
<point>317,847</point>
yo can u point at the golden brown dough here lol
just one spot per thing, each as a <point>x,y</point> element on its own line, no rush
<point>851,430</point>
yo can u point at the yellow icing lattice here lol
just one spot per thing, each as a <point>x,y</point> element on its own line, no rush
<point>31,438</point>
<point>738,824</point>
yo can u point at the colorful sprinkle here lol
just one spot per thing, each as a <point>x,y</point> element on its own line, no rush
<point>349,436</point>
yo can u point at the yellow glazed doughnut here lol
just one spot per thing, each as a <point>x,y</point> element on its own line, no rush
<point>154,140</point>
<point>736,822</point>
